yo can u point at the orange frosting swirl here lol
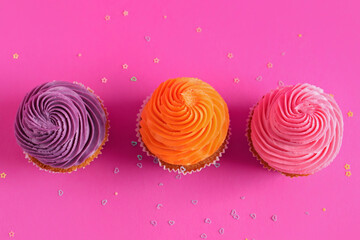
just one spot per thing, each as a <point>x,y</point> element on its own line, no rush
<point>184,122</point>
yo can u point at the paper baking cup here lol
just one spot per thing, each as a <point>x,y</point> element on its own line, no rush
<point>212,160</point>
<point>97,153</point>
<point>255,154</point>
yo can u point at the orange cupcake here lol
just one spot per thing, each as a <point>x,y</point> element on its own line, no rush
<point>185,125</point>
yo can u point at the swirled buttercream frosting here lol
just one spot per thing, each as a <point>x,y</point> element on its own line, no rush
<point>296,130</point>
<point>185,121</point>
<point>61,126</point>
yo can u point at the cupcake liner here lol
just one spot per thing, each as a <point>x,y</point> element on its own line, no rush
<point>87,161</point>
<point>256,155</point>
<point>212,160</point>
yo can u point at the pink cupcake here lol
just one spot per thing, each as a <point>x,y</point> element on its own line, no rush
<point>296,130</point>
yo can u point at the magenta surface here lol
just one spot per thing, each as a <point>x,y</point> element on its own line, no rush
<point>305,41</point>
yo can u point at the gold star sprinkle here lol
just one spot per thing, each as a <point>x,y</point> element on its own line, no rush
<point>299,35</point>
<point>230,55</point>
<point>15,56</point>
<point>3,175</point>
<point>347,166</point>
<point>125,66</point>
<point>350,114</point>
<point>104,80</point>
<point>198,29</point>
<point>156,60</point>
<point>125,13</point>
<point>116,193</point>
<point>107,18</point>
<point>236,80</point>
<point>11,234</point>
<point>269,65</point>
<point>324,209</point>
<point>348,173</point>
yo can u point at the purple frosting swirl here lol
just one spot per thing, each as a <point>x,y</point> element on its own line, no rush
<point>61,124</point>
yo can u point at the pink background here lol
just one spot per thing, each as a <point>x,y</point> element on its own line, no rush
<point>48,35</point>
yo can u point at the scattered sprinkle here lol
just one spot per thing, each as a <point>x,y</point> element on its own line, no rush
<point>331,95</point>
<point>324,209</point>
<point>203,236</point>
<point>350,114</point>
<point>116,193</point>
<point>155,160</point>
<point>3,175</point>
<point>125,66</point>
<point>156,60</point>
<point>299,35</point>
<point>347,166</point>
<point>198,29</point>
<point>147,38</point>
<point>236,217</point>
<point>161,184</point>
<point>139,164</point>
<point>242,197</point>
<point>139,157</point>
<point>258,78</point>
<point>230,55</point>
<point>307,213</point>
<point>15,56</point>
<point>104,202</point>
<point>159,206</point>
<point>283,54</point>
<point>274,218</point>
<point>171,222</point>
<point>207,220</point>
<point>165,17</point>
<point>107,18</point>
<point>221,231</point>
<point>280,83</point>
<point>178,176</point>
<point>233,212</point>
<point>348,173</point>
<point>194,202</point>
<point>153,222</point>
<point>182,169</point>
<point>125,13</point>
<point>133,79</point>
<point>133,143</point>
<point>217,164</point>
<point>253,215</point>
<point>60,192</point>
<point>104,80</point>
<point>116,170</point>
<point>11,234</point>
<point>269,65</point>
<point>79,54</point>
<point>236,80</point>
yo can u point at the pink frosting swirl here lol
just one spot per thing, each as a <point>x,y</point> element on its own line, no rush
<point>297,129</point>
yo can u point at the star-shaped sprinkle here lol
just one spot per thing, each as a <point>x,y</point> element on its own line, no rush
<point>125,66</point>
<point>125,13</point>
<point>11,234</point>
<point>3,175</point>
<point>269,65</point>
<point>104,80</point>
<point>299,35</point>
<point>347,166</point>
<point>348,173</point>
<point>350,114</point>
<point>107,18</point>
<point>198,29</point>
<point>236,80</point>
<point>324,209</point>
<point>15,56</point>
<point>156,60</point>
<point>230,55</point>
